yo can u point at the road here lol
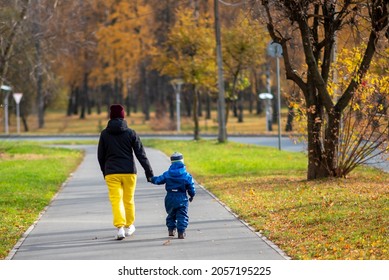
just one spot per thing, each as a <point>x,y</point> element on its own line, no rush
<point>272,141</point>
<point>287,143</point>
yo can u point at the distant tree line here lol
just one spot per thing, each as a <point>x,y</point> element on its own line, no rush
<point>95,52</point>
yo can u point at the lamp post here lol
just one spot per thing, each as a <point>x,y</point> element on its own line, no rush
<point>7,90</point>
<point>177,83</point>
<point>17,98</point>
<point>275,50</point>
<point>269,109</point>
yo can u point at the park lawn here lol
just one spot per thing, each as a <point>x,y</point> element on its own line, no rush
<point>345,218</point>
<point>30,176</point>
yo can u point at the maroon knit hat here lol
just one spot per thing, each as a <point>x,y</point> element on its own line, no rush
<point>116,111</point>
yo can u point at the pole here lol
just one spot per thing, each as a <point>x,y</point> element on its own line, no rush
<point>17,97</point>
<point>18,118</point>
<point>222,137</point>
<point>279,102</point>
<point>6,128</point>
<point>178,102</point>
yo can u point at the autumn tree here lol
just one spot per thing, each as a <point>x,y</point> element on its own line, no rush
<point>189,54</point>
<point>364,123</point>
<point>244,46</point>
<point>27,55</point>
<point>314,26</point>
<point>364,133</point>
<point>12,19</point>
<point>124,43</point>
<point>40,21</point>
<point>15,15</point>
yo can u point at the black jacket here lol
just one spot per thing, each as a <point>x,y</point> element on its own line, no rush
<point>116,149</point>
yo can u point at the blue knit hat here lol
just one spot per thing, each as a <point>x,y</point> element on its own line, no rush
<point>176,156</point>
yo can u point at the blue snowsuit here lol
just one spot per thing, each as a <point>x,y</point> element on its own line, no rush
<point>178,182</point>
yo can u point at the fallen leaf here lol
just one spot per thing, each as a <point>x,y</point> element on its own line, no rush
<point>167,242</point>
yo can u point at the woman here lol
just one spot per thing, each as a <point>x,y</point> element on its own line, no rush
<point>116,149</point>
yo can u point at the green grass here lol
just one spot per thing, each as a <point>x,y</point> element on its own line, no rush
<point>209,158</point>
<point>30,176</point>
<point>323,219</point>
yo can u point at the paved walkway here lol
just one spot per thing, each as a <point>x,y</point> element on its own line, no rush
<point>78,224</point>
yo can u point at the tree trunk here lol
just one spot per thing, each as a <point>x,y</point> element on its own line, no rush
<point>200,103</point>
<point>146,99</point>
<point>128,101</point>
<point>235,108</point>
<point>24,120</point>
<point>251,102</point>
<point>99,99</point>
<point>331,142</point>
<point>171,97</point>
<point>39,84</point>
<point>84,96</point>
<point>69,111</point>
<point>208,106</point>
<point>240,107</point>
<point>289,121</point>
<point>195,115</point>
<point>116,91</point>
<point>316,169</point>
<point>187,103</point>
<point>227,110</point>
<point>316,152</point>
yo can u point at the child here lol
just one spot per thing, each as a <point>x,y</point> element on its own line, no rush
<point>178,183</point>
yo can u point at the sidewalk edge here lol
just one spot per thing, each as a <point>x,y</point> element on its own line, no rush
<point>24,236</point>
<point>267,241</point>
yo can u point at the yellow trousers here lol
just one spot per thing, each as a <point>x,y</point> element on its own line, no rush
<point>121,190</point>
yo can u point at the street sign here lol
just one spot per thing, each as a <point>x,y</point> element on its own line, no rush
<point>274,49</point>
<point>265,95</point>
<point>17,97</point>
<point>4,87</point>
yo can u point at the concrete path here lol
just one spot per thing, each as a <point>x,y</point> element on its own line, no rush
<point>78,224</point>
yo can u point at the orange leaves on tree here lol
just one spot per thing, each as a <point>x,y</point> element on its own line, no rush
<point>124,39</point>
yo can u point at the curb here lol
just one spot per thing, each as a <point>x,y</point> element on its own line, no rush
<point>21,240</point>
<point>267,241</point>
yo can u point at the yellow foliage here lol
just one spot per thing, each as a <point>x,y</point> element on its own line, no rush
<point>371,95</point>
<point>189,51</point>
<point>124,40</point>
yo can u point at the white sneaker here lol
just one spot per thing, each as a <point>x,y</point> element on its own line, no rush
<point>129,230</point>
<point>121,234</point>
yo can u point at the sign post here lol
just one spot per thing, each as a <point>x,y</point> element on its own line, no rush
<point>7,90</point>
<point>275,50</point>
<point>17,98</point>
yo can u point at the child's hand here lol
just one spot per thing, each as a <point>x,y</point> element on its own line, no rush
<point>190,199</point>
<point>149,179</point>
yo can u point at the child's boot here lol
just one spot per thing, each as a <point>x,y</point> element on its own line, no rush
<point>172,232</point>
<point>181,235</point>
